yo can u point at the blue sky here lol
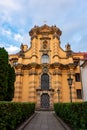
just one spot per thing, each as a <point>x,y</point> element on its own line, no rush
<point>17,17</point>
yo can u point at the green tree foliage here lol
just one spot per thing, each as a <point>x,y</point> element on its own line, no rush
<point>3,73</point>
<point>7,77</point>
<point>11,80</point>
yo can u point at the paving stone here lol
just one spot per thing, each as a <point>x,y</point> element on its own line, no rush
<point>44,120</point>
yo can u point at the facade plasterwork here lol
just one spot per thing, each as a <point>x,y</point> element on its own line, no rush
<point>45,40</point>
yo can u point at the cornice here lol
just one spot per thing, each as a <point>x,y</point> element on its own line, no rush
<point>41,90</point>
<point>13,59</point>
<point>31,65</point>
<point>63,66</point>
<point>53,65</point>
<point>72,65</point>
<point>18,66</point>
<point>45,51</point>
<point>27,66</point>
<point>34,64</point>
<point>45,65</point>
<point>19,74</point>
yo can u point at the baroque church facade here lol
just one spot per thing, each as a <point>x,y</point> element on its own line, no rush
<point>43,69</point>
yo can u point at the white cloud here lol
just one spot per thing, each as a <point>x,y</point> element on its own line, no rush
<point>9,9</point>
<point>69,15</point>
<point>18,38</point>
<point>2,44</point>
<point>12,49</point>
<point>9,5</point>
<point>6,32</point>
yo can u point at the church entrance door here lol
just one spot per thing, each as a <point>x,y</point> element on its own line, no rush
<point>45,101</point>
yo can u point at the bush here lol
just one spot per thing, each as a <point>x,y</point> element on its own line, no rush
<point>74,114</point>
<point>12,114</point>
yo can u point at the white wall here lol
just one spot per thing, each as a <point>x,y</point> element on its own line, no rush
<point>84,81</point>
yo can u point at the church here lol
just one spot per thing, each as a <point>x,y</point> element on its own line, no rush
<point>43,70</point>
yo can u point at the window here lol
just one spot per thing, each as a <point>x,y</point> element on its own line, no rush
<point>79,93</point>
<point>45,58</point>
<point>77,77</point>
<point>45,82</point>
<point>15,63</point>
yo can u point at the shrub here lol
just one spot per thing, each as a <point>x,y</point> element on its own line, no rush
<point>73,113</point>
<point>12,114</point>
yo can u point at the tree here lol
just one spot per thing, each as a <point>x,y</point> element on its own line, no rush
<point>11,80</point>
<point>3,73</point>
<point>7,77</point>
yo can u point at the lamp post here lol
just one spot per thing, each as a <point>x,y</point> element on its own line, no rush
<point>58,91</point>
<point>70,80</point>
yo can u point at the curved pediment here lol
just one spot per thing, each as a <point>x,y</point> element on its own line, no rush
<point>45,29</point>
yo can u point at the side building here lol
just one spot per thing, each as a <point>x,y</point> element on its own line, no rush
<point>83,65</point>
<point>43,69</point>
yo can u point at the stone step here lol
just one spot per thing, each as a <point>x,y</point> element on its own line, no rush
<point>44,109</point>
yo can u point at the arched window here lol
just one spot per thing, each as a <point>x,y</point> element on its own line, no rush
<point>45,58</point>
<point>45,82</point>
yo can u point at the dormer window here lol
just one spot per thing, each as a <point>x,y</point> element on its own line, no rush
<point>45,58</point>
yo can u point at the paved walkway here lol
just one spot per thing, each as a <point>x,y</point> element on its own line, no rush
<point>44,120</point>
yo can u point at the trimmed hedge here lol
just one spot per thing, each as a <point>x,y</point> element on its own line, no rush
<point>12,114</point>
<point>74,114</point>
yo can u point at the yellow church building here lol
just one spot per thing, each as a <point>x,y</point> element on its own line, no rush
<point>42,71</point>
